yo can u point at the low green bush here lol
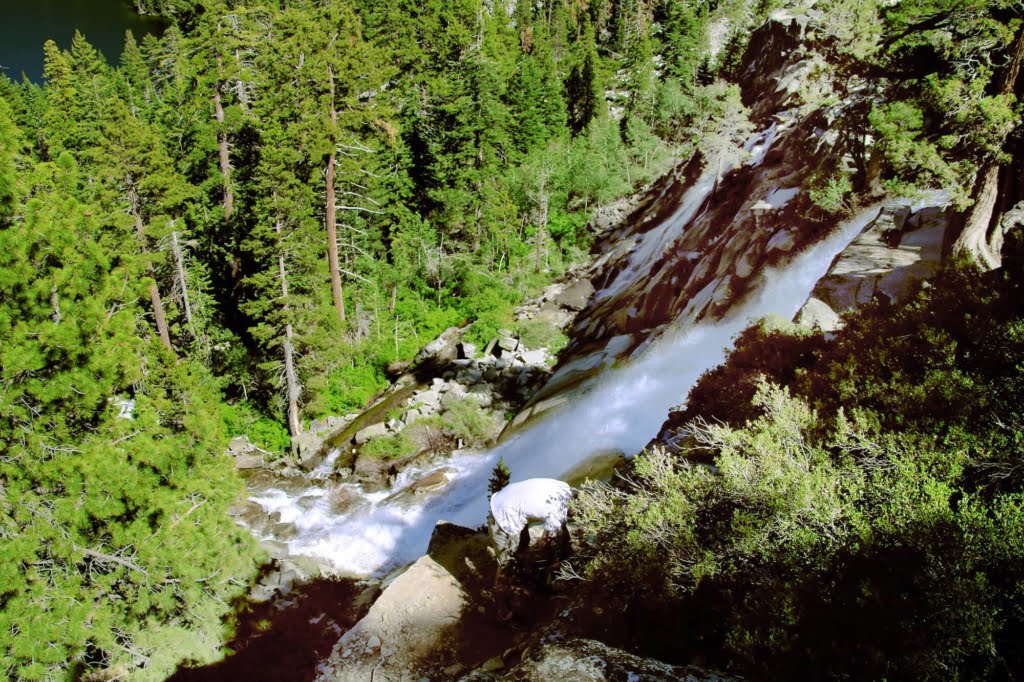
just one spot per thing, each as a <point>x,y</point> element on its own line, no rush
<point>860,521</point>
<point>540,334</point>
<point>242,419</point>
<point>389,447</point>
<point>464,420</point>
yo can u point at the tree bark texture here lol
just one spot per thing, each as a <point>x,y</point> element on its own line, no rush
<point>981,238</point>
<point>225,157</point>
<point>179,266</point>
<point>337,292</point>
<point>154,290</point>
<point>291,380</point>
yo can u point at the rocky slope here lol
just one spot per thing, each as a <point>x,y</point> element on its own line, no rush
<point>688,249</point>
<point>693,246</point>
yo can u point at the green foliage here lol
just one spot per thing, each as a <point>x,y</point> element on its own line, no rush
<point>389,448</point>
<point>500,477</point>
<point>880,486</point>
<point>466,420</point>
<point>242,419</point>
<point>541,334</point>
<point>350,387</point>
<point>832,195</point>
<point>463,420</point>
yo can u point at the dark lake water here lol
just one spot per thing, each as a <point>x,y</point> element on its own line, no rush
<point>26,24</point>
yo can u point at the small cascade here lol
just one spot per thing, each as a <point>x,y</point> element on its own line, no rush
<point>369,534</point>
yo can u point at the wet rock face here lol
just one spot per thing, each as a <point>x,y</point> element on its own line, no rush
<point>899,249</point>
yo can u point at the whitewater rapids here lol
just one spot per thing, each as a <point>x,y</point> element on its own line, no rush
<point>623,409</point>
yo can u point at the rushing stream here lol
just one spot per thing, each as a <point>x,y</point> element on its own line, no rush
<point>622,411</point>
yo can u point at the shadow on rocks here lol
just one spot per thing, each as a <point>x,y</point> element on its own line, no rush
<point>285,638</point>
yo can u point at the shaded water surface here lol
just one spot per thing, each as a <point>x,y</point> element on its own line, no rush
<point>26,24</point>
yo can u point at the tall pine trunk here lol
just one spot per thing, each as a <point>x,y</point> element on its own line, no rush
<point>154,290</point>
<point>337,292</point>
<point>225,158</point>
<point>981,237</point>
<point>179,266</point>
<point>291,380</point>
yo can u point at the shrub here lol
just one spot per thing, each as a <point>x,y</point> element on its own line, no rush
<point>832,195</point>
<point>540,334</point>
<point>463,420</point>
<point>389,447</point>
<point>242,419</point>
<point>349,388</point>
<point>813,550</point>
<point>867,528</point>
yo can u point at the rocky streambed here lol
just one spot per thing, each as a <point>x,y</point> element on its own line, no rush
<point>414,440</point>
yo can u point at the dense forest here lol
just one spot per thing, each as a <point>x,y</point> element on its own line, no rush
<point>238,227</point>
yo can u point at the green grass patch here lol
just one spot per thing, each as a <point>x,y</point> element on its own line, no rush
<point>540,334</point>
<point>389,448</point>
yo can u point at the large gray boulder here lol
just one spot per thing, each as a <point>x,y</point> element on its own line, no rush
<point>407,632</point>
<point>441,350</point>
<point>576,295</point>
<point>370,432</point>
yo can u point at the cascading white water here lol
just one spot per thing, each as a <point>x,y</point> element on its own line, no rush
<point>622,411</point>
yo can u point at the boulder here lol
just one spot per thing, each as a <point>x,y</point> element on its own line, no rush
<point>430,482</point>
<point>481,395</point>
<point>469,376</point>
<point>467,351</point>
<point>370,432</point>
<point>343,499</point>
<point>396,368</point>
<point>306,447</point>
<point>431,397</point>
<point>576,295</point>
<point>537,358</point>
<point>239,445</point>
<point>587,660</point>
<point>441,350</point>
<point>249,461</point>
<point>249,514</point>
<point>507,343</point>
<point>283,531</point>
<point>406,633</point>
<point>818,314</point>
<point>554,316</point>
<point>455,393</point>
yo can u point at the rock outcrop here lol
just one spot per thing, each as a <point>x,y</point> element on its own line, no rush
<point>406,634</point>
<point>900,248</point>
<point>587,660</point>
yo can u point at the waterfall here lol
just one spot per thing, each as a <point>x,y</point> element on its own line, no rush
<point>622,410</point>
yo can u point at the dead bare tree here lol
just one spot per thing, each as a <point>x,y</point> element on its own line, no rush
<point>134,203</point>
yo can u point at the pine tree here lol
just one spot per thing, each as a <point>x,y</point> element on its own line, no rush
<point>500,477</point>
<point>584,91</point>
